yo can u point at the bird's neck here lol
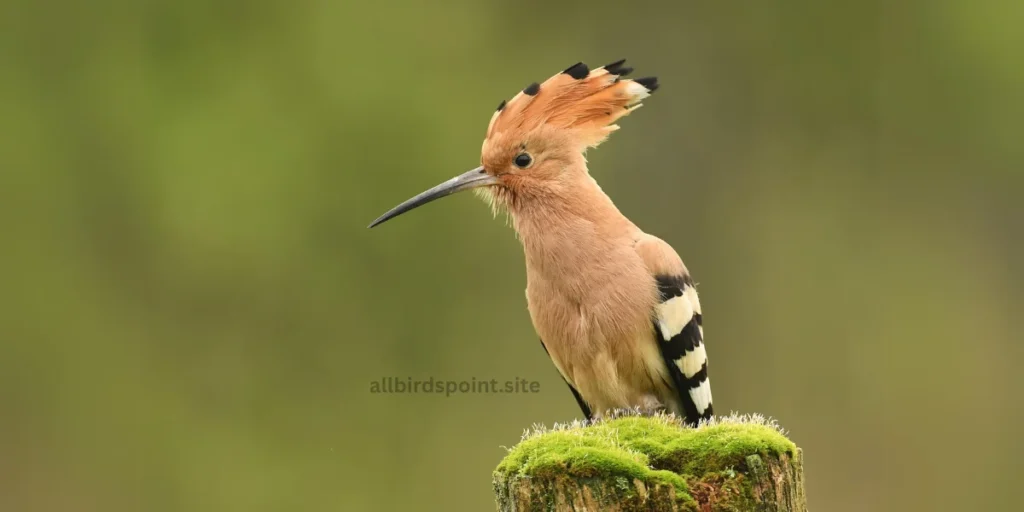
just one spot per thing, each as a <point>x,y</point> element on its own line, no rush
<point>570,227</point>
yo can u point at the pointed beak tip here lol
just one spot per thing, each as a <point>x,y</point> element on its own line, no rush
<point>471,179</point>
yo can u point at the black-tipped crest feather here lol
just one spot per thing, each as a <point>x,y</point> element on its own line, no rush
<point>578,71</point>
<point>578,98</point>
<point>618,68</point>
<point>650,82</point>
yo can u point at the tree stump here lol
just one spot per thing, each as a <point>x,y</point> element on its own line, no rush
<point>653,463</point>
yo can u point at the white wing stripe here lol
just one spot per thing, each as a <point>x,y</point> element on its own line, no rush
<point>674,314</point>
<point>692,361</point>
<point>701,396</point>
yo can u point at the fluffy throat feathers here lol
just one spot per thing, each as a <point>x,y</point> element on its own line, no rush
<point>571,193</point>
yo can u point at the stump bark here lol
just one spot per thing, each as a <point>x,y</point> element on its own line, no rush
<point>652,464</point>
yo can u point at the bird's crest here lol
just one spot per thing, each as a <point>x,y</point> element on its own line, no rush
<point>584,101</point>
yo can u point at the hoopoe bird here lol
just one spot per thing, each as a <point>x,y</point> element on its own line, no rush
<point>616,309</point>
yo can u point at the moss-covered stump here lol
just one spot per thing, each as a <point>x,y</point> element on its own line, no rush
<point>654,463</point>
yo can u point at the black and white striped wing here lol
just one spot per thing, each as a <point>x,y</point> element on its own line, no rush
<point>681,340</point>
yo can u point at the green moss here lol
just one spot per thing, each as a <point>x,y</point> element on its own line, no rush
<point>662,476</point>
<point>657,450</point>
<point>577,451</point>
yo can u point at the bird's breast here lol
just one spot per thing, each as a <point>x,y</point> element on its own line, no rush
<point>595,310</point>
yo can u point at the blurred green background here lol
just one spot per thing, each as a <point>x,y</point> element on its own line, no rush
<point>193,308</point>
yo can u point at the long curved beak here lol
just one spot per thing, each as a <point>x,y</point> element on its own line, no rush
<point>474,178</point>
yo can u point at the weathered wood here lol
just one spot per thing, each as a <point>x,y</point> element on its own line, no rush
<point>653,464</point>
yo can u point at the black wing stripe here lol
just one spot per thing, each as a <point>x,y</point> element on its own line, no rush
<point>673,286</point>
<point>686,341</point>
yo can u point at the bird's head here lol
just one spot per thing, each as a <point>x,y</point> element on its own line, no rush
<point>535,141</point>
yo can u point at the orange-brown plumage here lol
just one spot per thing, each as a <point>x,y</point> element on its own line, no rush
<point>586,108</point>
<point>615,308</point>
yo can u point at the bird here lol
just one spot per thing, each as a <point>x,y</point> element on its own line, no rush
<point>615,308</point>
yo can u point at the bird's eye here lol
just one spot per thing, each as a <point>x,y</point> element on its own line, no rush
<point>523,160</point>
